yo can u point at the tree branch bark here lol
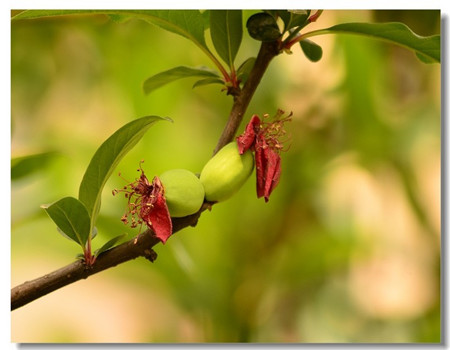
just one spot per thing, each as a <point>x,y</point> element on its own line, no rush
<point>143,244</point>
<point>267,52</point>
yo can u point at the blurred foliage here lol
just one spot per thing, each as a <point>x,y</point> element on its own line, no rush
<point>346,250</point>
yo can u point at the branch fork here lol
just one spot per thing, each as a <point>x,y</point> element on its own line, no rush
<point>142,245</point>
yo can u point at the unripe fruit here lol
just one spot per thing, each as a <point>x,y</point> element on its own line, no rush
<point>226,172</point>
<point>183,191</point>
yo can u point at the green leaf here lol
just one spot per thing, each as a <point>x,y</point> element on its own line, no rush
<point>106,159</point>
<point>93,233</point>
<point>119,18</point>
<point>424,59</point>
<point>187,23</point>
<point>168,76</point>
<point>108,245</point>
<point>72,219</point>
<point>23,166</point>
<point>428,49</point>
<point>205,16</point>
<point>311,50</point>
<point>299,18</point>
<point>263,26</point>
<point>207,81</point>
<point>245,69</point>
<point>292,19</point>
<point>226,33</point>
<point>32,14</point>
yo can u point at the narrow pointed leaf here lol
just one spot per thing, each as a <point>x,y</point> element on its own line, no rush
<point>245,69</point>
<point>311,50</point>
<point>180,72</point>
<point>207,81</point>
<point>292,19</point>
<point>299,18</point>
<point>226,33</point>
<point>427,48</point>
<point>72,219</point>
<point>106,159</point>
<point>108,245</point>
<point>26,165</point>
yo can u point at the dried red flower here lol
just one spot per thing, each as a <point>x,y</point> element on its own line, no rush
<point>264,139</point>
<point>147,204</point>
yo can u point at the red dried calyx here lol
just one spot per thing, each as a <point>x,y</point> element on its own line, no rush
<point>263,138</point>
<point>147,204</point>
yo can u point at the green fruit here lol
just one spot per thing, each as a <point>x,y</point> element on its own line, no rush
<point>226,172</point>
<point>183,191</point>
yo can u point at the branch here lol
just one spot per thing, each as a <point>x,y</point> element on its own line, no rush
<point>267,52</point>
<point>143,244</point>
<point>31,290</point>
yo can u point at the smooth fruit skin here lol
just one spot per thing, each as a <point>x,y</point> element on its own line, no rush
<point>183,191</point>
<point>226,172</point>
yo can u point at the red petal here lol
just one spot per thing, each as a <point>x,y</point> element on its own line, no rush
<point>161,223</point>
<point>273,172</point>
<point>247,139</point>
<point>261,165</point>
<point>268,168</point>
<point>158,217</point>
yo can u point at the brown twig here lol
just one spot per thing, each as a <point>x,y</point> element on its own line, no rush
<point>132,249</point>
<point>31,290</point>
<point>267,52</point>
<point>142,246</point>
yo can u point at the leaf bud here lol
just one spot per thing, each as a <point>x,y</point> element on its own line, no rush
<point>263,27</point>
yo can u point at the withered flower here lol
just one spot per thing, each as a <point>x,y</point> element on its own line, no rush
<point>147,204</point>
<point>264,139</point>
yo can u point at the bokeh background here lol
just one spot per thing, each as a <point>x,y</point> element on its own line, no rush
<point>346,250</point>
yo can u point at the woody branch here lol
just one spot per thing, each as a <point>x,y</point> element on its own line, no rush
<point>142,246</point>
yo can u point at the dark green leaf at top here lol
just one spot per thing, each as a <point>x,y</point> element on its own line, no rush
<point>205,16</point>
<point>119,18</point>
<point>263,27</point>
<point>187,23</point>
<point>72,218</point>
<point>226,33</point>
<point>311,50</point>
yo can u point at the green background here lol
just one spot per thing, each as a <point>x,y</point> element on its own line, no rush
<point>346,250</point>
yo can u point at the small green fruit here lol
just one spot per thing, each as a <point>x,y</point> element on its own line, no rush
<point>183,191</point>
<point>226,172</point>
